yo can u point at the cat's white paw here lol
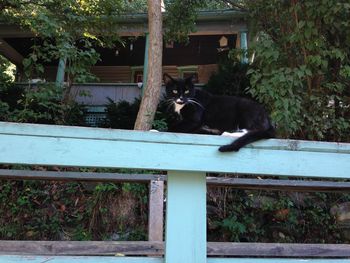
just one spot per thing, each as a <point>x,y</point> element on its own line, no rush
<point>234,134</point>
<point>153,130</point>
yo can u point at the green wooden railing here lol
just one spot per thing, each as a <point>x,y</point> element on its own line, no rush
<point>186,158</point>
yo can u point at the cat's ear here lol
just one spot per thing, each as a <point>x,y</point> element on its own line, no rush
<point>191,79</point>
<point>167,79</point>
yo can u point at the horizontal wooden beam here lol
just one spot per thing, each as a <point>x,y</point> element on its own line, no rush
<point>108,259</point>
<point>280,185</point>
<point>10,53</point>
<point>84,259</point>
<point>144,248</point>
<point>278,250</point>
<point>91,147</point>
<point>239,183</point>
<point>78,176</point>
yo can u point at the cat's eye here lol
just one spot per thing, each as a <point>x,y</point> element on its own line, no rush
<point>187,91</point>
<point>175,91</point>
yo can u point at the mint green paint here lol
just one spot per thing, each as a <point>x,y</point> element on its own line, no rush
<point>244,46</point>
<point>186,157</point>
<point>187,69</point>
<point>60,71</point>
<point>275,260</point>
<point>94,147</point>
<point>145,64</point>
<point>186,218</point>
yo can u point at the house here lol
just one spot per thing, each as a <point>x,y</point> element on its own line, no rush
<point>120,70</point>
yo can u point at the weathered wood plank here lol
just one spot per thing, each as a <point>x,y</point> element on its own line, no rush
<point>156,208</point>
<point>280,185</point>
<point>144,248</point>
<point>78,176</point>
<point>60,259</point>
<point>80,259</point>
<point>185,232</point>
<point>92,147</point>
<point>81,248</point>
<point>240,183</point>
<point>278,250</point>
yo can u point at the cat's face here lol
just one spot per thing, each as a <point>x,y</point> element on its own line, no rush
<point>179,90</point>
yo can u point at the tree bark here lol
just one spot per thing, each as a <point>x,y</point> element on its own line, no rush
<point>152,91</point>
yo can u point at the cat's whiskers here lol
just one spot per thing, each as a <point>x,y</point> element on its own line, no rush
<point>195,102</point>
<point>168,103</point>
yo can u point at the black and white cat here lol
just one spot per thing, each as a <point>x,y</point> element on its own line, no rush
<point>201,112</point>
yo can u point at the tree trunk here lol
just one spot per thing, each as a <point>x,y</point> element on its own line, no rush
<point>152,91</point>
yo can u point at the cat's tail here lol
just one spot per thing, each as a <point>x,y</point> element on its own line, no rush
<point>249,137</point>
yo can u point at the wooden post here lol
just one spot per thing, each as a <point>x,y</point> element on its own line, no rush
<point>60,71</point>
<point>155,214</point>
<point>185,234</point>
<point>244,46</point>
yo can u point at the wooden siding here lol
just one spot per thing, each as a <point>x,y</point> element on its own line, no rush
<point>98,94</point>
<point>112,74</point>
<point>171,70</point>
<point>205,72</point>
<point>123,74</point>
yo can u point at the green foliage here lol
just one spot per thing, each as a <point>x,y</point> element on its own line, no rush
<point>301,67</point>
<point>122,115</point>
<point>181,16</point>
<point>5,77</point>
<point>271,216</point>
<point>180,19</point>
<point>68,30</point>
<point>33,210</point>
<point>40,104</point>
<point>231,79</point>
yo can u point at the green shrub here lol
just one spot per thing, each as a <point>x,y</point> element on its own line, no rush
<point>39,104</point>
<point>122,115</point>
<point>231,79</point>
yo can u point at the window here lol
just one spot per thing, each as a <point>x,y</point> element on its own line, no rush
<point>138,76</point>
<point>187,71</point>
<point>189,74</point>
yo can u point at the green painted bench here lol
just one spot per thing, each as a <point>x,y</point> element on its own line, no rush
<point>186,158</point>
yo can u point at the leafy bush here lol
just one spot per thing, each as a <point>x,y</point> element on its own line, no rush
<point>231,79</point>
<point>302,67</point>
<point>39,104</point>
<point>122,115</point>
<point>273,216</point>
<point>33,210</point>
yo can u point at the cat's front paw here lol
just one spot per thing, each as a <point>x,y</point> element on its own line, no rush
<point>153,130</point>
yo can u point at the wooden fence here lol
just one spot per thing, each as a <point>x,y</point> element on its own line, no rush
<point>186,158</point>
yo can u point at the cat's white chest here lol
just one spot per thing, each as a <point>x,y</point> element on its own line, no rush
<point>178,107</point>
